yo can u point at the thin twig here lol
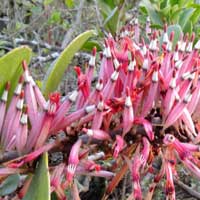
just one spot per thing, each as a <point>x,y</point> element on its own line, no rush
<point>124,187</point>
<point>34,43</point>
<point>99,18</point>
<point>188,189</point>
<point>68,36</point>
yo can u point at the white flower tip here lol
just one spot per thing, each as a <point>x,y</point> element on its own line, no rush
<point>27,77</point>
<point>32,81</point>
<point>172,83</point>
<point>96,156</point>
<point>197,45</point>
<point>92,61</point>
<point>182,46</point>
<point>90,132</point>
<point>73,96</point>
<point>165,38</point>
<point>155,76</point>
<point>153,45</point>
<point>90,108</point>
<point>24,119</point>
<point>20,103</point>
<point>5,96</point>
<point>132,65</point>
<point>169,46</point>
<point>178,64</point>
<point>99,86</point>
<point>116,63</point>
<point>145,65</point>
<point>100,106</point>
<point>189,47</point>
<point>136,21</point>
<point>128,101</point>
<point>108,52</point>
<point>187,98</point>
<point>176,56</point>
<point>18,89</point>
<point>114,75</point>
<point>186,75</point>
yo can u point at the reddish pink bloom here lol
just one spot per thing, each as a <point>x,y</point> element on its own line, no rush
<point>97,134</point>
<point>73,161</point>
<point>51,109</point>
<point>3,102</point>
<point>22,132</point>
<point>119,146</point>
<point>128,114</point>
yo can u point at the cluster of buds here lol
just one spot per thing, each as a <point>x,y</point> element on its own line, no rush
<point>146,96</point>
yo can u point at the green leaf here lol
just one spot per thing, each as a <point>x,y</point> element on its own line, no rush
<point>40,185</point>
<point>164,4</point>
<point>153,14</point>
<point>47,2</point>
<point>112,20</point>
<point>195,16</point>
<point>188,27</point>
<point>104,8</point>
<point>11,67</point>
<point>55,17</point>
<point>54,196</point>
<point>185,16</point>
<point>177,32</point>
<point>110,3</point>
<point>110,16</point>
<point>143,10</point>
<point>9,185</point>
<point>173,2</point>
<point>88,46</point>
<point>69,3</point>
<point>56,71</point>
<point>175,13</point>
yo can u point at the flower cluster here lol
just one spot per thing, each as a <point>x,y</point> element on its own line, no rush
<point>144,107</point>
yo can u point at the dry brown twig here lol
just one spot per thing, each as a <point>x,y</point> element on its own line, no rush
<point>188,189</point>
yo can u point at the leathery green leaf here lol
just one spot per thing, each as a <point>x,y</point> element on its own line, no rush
<point>57,69</point>
<point>40,185</point>
<point>9,185</point>
<point>11,67</point>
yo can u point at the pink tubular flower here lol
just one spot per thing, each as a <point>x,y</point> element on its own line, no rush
<point>90,69</point>
<point>98,117</point>
<point>62,110</point>
<point>184,153</point>
<point>29,94</point>
<point>83,87</point>
<point>128,114</point>
<point>119,146</point>
<point>31,156</point>
<point>73,161</point>
<point>147,126</point>
<point>38,94</point>
<point>22,132</point>
<point>3,102</point>
<point>10,137</point>
<point>178,109</point>
<point>152,93</point>
<point>51,109</point>
<point>56,178</point>
<point>169,163</point>
<point>97,134</point>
